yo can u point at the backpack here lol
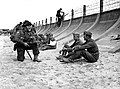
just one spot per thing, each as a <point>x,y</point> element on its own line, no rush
<point>14,31</point>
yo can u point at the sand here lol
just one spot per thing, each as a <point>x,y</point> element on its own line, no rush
<point>52,74</point>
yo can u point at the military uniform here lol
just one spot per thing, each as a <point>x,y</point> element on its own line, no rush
<point>68,49</point>
<point>59,17</point>
<point>89,50</point>
<point>24,36</point>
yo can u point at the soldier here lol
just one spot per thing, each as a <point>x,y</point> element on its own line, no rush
<point>59,17</point>
<point>67,50</point>
<point>26,40</point>
<point>50,42</point>
<point>89,50</point>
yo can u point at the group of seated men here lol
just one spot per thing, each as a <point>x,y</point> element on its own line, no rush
<point>88,51</point>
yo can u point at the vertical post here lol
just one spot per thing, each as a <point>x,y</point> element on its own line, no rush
<point>42,22</point>
<point>36,24</point>
<point>56,20</point>
<point>84,10</point>
<point>46,21</point>
<point>50,20</point>
<point>39,23</point>
<point>101,6</point>
<point>63,16</point>
<point>72,14</point>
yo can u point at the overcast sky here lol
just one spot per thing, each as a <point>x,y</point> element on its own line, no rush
<point>14,11</point>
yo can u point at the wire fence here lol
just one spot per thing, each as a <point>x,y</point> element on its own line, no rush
<point>111,4</point>
<point>91,9</point>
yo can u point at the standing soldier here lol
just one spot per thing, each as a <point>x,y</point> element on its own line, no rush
<point>59,17</point>
<point>25,39</point>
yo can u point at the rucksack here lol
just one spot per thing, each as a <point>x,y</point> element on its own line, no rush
<point>14,31</point>
<point>12,37</point>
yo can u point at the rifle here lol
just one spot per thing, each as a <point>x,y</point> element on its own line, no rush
<point>29,54</point>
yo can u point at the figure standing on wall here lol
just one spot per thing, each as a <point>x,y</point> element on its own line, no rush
<point>59,16</point>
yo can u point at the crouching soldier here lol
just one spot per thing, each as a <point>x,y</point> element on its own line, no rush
<point>26,40</point>
<point>89,50</point>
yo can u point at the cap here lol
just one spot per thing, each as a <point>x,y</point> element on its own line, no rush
<point>87,33</point>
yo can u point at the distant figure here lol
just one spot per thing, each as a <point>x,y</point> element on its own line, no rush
<point>51,43</point>
<point>89,50</point>
<point>59,16</point>
<point>41,39</point>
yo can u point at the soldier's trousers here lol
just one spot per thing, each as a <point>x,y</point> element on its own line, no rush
<point>59,21</point>
<point>21,51</point>
<point>67,50</point>
<point>89,57</point>
<point>20,54</point>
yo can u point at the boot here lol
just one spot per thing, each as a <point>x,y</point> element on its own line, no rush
<point>36,59</point>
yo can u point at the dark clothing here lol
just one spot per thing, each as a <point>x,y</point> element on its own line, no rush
<point>30,47</point>
<point>58,13</point>
<point>89,50</point>
<point>14,31</point>
<point>68,49</point>
<point>90,45</point>
<point>59,17</point>
<point>24,36</point>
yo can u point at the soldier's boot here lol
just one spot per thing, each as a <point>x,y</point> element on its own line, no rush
<point>20,54</point>
<point>36,58</point>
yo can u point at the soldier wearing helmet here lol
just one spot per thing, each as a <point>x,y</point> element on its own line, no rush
<point>25,39</point>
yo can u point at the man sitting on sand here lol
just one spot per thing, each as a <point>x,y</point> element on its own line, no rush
<point>67,50</point>
<point>89,50</point>
<point>51,43</point>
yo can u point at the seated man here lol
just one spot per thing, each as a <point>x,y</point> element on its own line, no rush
<point>50,42</point>
<point>41,39</point>
<point>67,50</point>
<point>89,50</point>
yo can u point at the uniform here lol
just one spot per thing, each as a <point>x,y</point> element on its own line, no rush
<point>89,50</point>
<point>59,17</point>
<point>68,49</point>
<point>25,36</point>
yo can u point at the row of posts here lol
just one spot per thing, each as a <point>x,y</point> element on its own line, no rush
<point>72,14</point>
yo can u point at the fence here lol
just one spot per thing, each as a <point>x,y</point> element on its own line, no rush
<point>106,5</point>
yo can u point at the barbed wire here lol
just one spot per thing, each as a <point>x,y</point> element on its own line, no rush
<point>111,4</point>
<point>91,9</point>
